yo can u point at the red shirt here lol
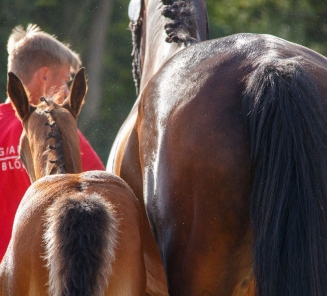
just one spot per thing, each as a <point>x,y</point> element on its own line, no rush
<point>14,180</point>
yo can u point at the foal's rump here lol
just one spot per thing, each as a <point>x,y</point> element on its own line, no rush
<point>86,228</point>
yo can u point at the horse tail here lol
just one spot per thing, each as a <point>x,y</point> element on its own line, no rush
<point>80,244</point>
<point>288,135</point>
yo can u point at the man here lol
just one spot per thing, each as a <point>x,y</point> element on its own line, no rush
<point>44,65</point>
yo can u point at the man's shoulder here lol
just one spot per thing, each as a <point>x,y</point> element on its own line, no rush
<point>7,111</point>
<point>6,108</point>
<point>8,120</point>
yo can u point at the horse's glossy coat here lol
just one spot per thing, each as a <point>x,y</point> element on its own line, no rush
<point>221,135</point>
<point>74,233</point>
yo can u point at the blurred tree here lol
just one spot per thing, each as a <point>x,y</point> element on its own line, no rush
<point>302,21</point>
<point>118,94</point>
<point>97,29</point>
<point>96,49</point>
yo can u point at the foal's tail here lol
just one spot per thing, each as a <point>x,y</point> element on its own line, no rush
<point>80,240</point>
<point>288,134</point>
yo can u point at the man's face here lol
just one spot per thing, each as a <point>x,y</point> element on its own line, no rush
<point>57,82</point>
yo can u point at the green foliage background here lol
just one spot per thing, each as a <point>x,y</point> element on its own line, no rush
<point>302,21</point>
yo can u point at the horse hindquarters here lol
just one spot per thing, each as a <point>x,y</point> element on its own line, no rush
<point>80,241</point>
<point>288,132</point>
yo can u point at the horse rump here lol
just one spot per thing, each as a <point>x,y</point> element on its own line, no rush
<point>287,126</point>
<point>80,241</point>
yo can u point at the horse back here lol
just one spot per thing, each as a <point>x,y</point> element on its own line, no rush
<point>196,97</point>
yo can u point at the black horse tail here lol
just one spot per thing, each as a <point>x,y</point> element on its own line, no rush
<point>80,244</point>
<point>288,133</point>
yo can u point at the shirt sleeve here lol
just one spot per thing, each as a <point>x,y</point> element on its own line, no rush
<point>90,160</point>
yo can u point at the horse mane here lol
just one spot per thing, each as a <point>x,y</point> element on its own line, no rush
<point>55,133</point>
<point>178,31</point>
<point>181,14</point>
<point>136,29</point>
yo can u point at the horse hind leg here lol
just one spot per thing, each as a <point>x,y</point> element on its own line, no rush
<point>80,240</point>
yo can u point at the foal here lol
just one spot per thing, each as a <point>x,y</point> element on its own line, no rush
<point>74,233</point>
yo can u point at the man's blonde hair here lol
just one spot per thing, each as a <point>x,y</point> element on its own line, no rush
<point>33,49</point>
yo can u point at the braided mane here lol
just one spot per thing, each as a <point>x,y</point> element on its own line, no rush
<point>55,133</point>
<point>181,14</point>
<point>136,29</point>
<point>178,31</point>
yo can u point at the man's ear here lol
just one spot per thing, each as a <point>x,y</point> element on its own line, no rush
<point>42,74</point>
<point>75,100</point>
<point>18,96</point>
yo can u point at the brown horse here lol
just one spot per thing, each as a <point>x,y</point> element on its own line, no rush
<point>74,233</point>
<point>226,151</point>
